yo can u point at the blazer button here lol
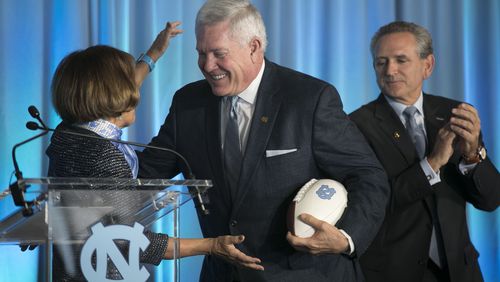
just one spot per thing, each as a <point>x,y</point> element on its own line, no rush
<point>234,223</point>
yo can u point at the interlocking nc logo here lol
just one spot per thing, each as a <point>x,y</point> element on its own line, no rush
<point>325,192</point>
<point>101,242</point>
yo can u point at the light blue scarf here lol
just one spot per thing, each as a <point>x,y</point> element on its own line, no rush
<point>107,129</point>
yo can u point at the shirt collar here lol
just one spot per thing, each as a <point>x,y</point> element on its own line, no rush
<point>399,107</point>
<point>102,128</point>
<point>249,94</point>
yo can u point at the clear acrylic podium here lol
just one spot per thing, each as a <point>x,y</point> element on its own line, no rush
<point>80,219</point>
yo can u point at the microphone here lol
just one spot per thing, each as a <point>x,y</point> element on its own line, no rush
<point>35,126</point>
<point>31,125</point>
<point>18,188</point>
<point>36,114</point>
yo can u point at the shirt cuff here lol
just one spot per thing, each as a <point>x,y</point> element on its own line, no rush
<point>350,251</point>
<point>432,176</point>
<point>466,168</point>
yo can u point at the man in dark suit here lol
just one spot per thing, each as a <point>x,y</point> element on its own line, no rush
<point>260,131</point>
<point>433,154</point>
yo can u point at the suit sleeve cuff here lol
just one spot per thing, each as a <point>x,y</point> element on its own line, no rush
<point>351,249</point>
<point>432,176</point>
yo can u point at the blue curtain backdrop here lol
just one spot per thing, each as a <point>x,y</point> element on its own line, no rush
<point>328,39</point>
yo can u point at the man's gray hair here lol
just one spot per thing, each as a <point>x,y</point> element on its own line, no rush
<point>422,36</point>
<point>245,20</point>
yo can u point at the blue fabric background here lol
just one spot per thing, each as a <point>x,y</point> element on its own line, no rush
<point>328,39</point>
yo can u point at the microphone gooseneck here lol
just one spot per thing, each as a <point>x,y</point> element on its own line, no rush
<point>18,188</point>
<point>35,126</point>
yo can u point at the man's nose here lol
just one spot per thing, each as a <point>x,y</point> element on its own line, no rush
<point>391,68</point>
<point>209,63</point>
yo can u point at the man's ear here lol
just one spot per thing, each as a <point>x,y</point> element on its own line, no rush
<point>255,44</point>
<point>255,49</point>
<point>429,63</point>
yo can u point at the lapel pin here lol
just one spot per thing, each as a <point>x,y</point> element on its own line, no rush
<point>396,135</point>
<point>440,118</point>
<point>264,119</point>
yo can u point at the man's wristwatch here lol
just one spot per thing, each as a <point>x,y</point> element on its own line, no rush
<point>478,157</point>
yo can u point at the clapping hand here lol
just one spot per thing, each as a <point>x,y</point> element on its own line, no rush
<point>443,148</point>
<point>465,123</point>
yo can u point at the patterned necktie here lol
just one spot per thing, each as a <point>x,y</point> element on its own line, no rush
<point>416,132</point>
<point>418,137</point>
<point>232,148</point>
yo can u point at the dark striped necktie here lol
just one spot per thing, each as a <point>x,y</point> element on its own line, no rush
<point>232,147</point>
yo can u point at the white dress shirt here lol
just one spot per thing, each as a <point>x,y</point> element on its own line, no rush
<point>245,109</point>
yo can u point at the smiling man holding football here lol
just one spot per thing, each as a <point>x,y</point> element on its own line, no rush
<point>260,131</point>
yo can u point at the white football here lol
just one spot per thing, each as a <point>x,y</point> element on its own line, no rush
<point>325,199</point>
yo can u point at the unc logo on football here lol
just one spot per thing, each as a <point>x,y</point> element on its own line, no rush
<point>325,192</point>
<point>325,199</point>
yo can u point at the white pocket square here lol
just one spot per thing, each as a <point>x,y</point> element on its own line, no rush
<point>274,153</point>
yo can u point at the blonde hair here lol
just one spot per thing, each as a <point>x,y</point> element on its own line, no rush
<point>98,82</point>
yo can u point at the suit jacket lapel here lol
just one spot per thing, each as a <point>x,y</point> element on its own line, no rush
<point>392,127</point>
<point>432,123</point>
<point>266,109</point>
<point>435,118</point>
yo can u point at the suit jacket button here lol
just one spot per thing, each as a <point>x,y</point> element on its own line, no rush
<point>422,261</point>
<point>233,223</point>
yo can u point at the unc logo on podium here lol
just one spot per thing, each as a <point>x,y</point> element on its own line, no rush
<point>101,242</point>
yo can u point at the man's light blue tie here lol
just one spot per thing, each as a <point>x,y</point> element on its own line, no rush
<point>232,147</point>
<point>416,132</point>
<point>418,137</point>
